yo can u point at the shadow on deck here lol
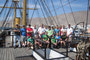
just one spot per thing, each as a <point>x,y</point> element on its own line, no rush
<point>30,57</point>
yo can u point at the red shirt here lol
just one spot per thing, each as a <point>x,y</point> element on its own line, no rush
<point>60,31</point>
<point>29,29</point>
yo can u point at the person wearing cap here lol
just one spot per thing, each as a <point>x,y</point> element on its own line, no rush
<point>29,31</point>
<point>23,35</point>
<point>17,35</point>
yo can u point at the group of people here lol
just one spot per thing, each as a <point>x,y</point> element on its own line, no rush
<point>55,35</point>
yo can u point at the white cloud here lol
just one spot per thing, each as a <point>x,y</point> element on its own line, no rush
<point>76,5</point>
<point>33,6</point>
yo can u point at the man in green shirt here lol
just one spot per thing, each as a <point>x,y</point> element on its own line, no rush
<point>49,31</point>
<point>53,41</point>
<point>30,42</point>
<point>46,39</point>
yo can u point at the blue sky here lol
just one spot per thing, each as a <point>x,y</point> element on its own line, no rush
<point>77,5</point>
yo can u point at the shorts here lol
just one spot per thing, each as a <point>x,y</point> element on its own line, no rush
<point>23,38</point>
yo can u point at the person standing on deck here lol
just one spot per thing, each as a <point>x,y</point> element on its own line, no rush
<point>29,31</point>
<point>23,35</point>
<point>41,30</point>
<point>56,30</point>
<point>49,31</point>
<point>63,30</point>
<point>35,31</point>
<point>17,35</point>
<point>69,32</point>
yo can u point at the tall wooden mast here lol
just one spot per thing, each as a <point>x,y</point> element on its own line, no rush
<point>24,12</point>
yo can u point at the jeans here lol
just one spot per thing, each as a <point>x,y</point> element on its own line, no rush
<point>17,37</point>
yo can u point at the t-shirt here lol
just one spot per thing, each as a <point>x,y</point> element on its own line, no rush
<point>23,31</point>
<point>29,29</point>
<point>31,40</point>
<point>45,37</point>
<point>17,33</point>
<point>35,31</point>
<point>56,31</point>
<point>63,30</point>
<point>69,30</point>
<point>63,37</point>
<point>53,39</point>
<point>49,32</point>
<point>58,38</point>
<point>41,30</point>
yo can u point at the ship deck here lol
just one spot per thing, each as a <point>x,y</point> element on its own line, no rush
<point>24,54</point>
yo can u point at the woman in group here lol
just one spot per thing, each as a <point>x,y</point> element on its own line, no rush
<point>58,38</point>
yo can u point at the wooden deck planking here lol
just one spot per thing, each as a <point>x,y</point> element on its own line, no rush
<point>11,53</point>
<point>23,53</point>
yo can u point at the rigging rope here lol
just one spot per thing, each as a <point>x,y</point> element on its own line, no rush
<point>7,15</point>
<point>45,10</point>
<point>3,7</point>
<point>43,13</point>
<point>55,12</point>
<point>72,11</point>
<point>33,11</point>
<point>64,11</point>
<point>65,4</point>
<point>49,11</point>
<point>39,16</point>
<point>20,11</point>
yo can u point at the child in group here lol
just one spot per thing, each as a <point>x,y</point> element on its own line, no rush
<point>30,42</point>
<point>54,41</point>
<point>46,39</point>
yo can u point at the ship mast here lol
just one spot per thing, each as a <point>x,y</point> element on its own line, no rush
<point>24,12</point>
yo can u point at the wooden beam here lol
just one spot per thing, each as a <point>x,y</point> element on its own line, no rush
<point>19,8</point>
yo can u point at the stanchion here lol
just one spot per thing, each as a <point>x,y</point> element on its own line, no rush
<point>33,44</point>
<point>67,48</point>
<point>50,42</point>
<point>45,51</point>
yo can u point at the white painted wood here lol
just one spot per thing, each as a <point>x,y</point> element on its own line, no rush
<point>50,54</point>
<point>37,56</point>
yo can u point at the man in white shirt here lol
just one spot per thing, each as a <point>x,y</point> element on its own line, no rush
<point>35,30</point>
<point>69,32</point>
<point>41,30</point>
<point>63,30</point>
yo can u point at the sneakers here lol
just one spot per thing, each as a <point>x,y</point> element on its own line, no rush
<point>31,47</point>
